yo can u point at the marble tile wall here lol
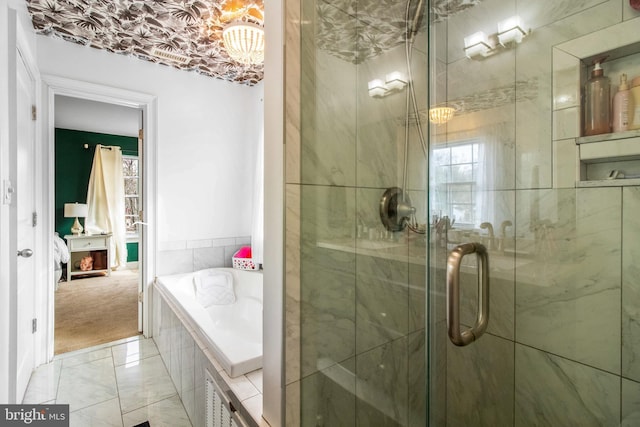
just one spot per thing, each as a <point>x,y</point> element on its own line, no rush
<point>631,285</point>
<point>345,306</point>
<point>327,277</point>
<point>571,280</point>
<point>570,320</point>
<point>381,305</point>
<point>382,384</point>
<point>480,381</point>
<point>562,345</point>
<point>581,394</point>
<point>193,255</point>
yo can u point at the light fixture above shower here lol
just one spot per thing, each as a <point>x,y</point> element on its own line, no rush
<point>394,82</point>
<point>479,45</point>
<point>511,30</point>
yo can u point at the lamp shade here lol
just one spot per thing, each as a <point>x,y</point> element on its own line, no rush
<point>75,210</point>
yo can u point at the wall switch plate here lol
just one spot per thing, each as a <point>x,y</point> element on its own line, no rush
<point>7,192</point>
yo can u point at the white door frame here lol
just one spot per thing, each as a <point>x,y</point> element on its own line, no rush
<point>55,85</point>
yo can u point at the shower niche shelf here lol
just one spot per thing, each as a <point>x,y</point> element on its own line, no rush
<point>600,155</point>
<point>573,61</point>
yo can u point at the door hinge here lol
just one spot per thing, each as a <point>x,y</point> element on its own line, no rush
<point>33,112</point>
<point>7,192</point>
<point>140,133</point>
<point>34,325</point>
<point>139,296</point>
<point>34,219</point>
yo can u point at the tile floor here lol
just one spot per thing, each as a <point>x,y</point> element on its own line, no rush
<point>123,384</point>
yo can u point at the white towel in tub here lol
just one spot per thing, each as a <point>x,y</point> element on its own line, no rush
<point>214,288</point>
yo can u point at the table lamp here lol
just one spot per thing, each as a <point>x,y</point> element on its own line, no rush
<point>76,210</point>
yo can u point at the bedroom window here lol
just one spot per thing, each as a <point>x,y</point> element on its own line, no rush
<point>456,169</point>
<point>130,171</point>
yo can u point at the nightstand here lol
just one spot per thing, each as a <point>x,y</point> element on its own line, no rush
<point>84,245</point>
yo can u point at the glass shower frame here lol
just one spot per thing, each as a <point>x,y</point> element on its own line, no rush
<point>366,311</point>
<point>561,343</point>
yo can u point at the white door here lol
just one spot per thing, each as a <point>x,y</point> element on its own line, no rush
<point>25,208</point>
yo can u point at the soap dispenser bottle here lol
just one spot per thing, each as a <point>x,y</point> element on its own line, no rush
<point>597,103</point>
<point>620,122</point>
<point>634,104</point>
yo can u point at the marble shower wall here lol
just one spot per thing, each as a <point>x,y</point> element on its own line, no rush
<point>355,310</point>
<point>562,346</point>
<point>564,302</point>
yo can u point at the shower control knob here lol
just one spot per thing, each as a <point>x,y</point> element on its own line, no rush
<point>26,253</point>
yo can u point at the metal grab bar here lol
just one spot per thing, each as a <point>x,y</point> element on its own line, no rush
<point>466,337</point>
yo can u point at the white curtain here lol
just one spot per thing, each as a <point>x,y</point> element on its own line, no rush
<point>494,154</point>
<point>105,199</point>
<point>257,223</point>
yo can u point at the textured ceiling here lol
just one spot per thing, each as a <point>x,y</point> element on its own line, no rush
<point>380,25</point>
<point>175,32</point>
<point>141,28</point>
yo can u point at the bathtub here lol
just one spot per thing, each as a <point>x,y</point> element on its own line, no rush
<point>232,332</point>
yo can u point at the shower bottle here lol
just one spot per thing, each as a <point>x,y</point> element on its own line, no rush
<point>597,103</point>
<point>634,104</point>
<point>621,106</point>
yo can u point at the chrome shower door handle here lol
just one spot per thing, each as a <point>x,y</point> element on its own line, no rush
<point>454,260</point>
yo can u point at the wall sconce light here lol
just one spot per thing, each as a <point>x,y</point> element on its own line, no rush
<point>377,88</point>
<point>441,115</point>
<point>511,30</point>
<point>477,45</point>
<point>394,82</point>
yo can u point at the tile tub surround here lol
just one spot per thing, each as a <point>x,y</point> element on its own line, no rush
<point>185,353</point>
<point>122,383</point>
<point>187,256</point>
<point>232,332</point>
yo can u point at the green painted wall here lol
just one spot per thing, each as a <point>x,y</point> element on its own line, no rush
<point>73,167</point>
<point>132,252</point>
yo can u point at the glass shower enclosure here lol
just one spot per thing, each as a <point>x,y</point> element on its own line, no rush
<point>458,253</point>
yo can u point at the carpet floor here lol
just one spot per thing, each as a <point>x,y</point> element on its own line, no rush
<point>96,310</point>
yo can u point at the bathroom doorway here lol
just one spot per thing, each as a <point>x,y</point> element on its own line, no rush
<point>94,268</point>
<point>108,102</point>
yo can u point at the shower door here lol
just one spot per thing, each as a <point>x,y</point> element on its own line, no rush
<point>562,344</point>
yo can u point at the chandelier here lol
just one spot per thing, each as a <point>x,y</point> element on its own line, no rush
<point>241,23</point>
<point>244,41</point>
<point>441,115</point>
